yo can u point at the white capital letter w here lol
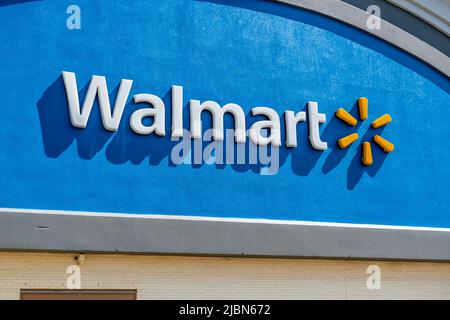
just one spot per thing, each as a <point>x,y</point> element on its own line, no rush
<point>97,86</point>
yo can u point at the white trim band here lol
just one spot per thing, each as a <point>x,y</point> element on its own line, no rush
<point>390,33</point>
<point>434,12</point>
<point>216,219</point>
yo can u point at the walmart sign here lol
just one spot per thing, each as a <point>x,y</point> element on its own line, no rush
<point>156,110</point>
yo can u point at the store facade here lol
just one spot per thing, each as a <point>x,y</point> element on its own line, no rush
<point>221,149</point>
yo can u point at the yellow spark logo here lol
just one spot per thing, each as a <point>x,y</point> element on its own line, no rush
<point>345,142</point>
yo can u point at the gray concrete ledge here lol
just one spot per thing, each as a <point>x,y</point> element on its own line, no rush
<point>149,235</point>
<point>434,12</point>
<point>390,33</point>
<point>408,22</point>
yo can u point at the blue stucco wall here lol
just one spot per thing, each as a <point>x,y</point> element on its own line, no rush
<point>255,54</point>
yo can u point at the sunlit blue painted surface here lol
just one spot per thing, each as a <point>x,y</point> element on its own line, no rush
<point>254,54</point>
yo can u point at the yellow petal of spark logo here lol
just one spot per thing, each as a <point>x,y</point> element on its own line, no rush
<point>345,142</point>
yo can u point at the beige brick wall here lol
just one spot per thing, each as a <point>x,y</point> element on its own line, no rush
<point>167,277</point>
